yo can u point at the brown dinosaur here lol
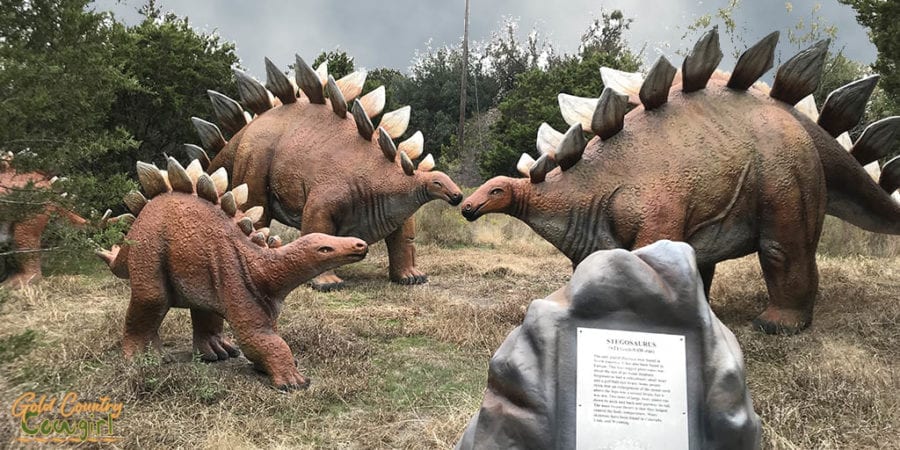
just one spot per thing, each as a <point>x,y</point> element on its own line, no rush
<point>727,166</point>
<point>25,234</point>
<point>191,247</point>
<point>317,169</point>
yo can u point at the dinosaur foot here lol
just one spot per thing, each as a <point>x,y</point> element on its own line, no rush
<point>290,380</point>
<point>785,321</point>
<point>215,347</point>
<point>409,277</point>
<point>20,280</point>
<point>327,282</point>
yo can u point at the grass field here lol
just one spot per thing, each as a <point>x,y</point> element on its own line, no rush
<point>404,367</point>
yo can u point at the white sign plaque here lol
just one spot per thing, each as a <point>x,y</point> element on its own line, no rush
<point>631,391</point>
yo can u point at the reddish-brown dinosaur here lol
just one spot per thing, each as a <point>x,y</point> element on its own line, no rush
<point>191,247</point>
<point>25,234</point>
<point>726,166</point>
<point>317,169</point>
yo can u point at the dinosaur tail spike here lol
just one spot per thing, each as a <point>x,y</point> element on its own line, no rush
<point>363,124</point>
<point>220,180</point>
<point>571,148</point>
<point>800,75</point>
<point>754,62</point>
<point>808,107</point>
<point>526,162</point>
<point>194,169</point>
<point>609,117</point>
<point>540,168</point>
<point>206,189</point>
<point>846,105</point>
<point>274,241</point>
<point>890,176</point>
<point>352,85</point>
<point>210,137</point>
<point>178,177</point>
<point>254,96</point>
<point>309,82</point>
<point>876,140</point>
<point>246,225</point>
<point>387,145</point>
<point>396,122</point>
<point>152,180</point>
<point>135,201</point>
<point>338,102</point>
<point>426,164</point>
<point>228,204</point>
<point>414,146</point>
<point>577,109</point>
<point>228,112</point>
<point>655,90</point>
<point>196,153</point>
<point>699,66</point>
<point>280,84</point>
<point>373,102</point>
<point>406,164</point>
<point>240,194</point>
<point>625,83</point>
<point>258,239</point>
<point>548,140</point>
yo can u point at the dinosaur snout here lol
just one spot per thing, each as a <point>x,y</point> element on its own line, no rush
<point>360,248</point>
<point>470,212</point>
<point>456,198</point>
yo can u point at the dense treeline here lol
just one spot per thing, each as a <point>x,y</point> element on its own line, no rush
<point>85,96</point>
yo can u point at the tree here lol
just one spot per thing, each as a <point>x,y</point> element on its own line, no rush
<point>534,97</point>
<point>173,66</point>
<point>339,63</point>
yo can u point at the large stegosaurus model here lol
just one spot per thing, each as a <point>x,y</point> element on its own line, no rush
<point>316,170</point>
<point>725,164</point>
<point>191,247</point>
<point>25,235</point>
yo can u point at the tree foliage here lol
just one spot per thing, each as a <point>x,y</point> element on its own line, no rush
<point>339,63</point>
<point>534,99</point>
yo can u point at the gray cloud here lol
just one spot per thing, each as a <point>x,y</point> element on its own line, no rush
<point>388,33</point>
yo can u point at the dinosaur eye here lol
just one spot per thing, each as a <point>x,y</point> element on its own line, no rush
<point>496,191</point>
<point>325,249</point>
<point>437,183</point>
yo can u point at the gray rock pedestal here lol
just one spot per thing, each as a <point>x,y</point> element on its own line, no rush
<point>530,400</point>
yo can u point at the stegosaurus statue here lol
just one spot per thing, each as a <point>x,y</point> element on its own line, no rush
<point>315,169</point>
<point>190,246</point>
<point>721,162</point>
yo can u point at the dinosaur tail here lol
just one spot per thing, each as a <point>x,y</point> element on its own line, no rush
<point>854,196</point>
<point>117,260</point>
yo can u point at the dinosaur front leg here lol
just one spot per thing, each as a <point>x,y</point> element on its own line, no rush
<point>27,239</point>
<point>402,255</point>
<point>271,354</point>
<point>209,336</point>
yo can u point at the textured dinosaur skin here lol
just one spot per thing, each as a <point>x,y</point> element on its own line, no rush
<point>731,172</point>
<point>310,169</point>
<point>25,234</point>
<point>183,251</point>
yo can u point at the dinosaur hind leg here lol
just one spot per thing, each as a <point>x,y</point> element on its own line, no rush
<point>146,311</point>
<point>209,337</point>
<point>402,255</point>
<point>27,238</point>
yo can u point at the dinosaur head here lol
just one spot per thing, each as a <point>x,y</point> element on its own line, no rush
<point>440,187</point>
<point>325,252</point>
<point>497,195</point>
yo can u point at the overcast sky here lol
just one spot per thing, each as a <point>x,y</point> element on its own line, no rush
<point>388,33</point>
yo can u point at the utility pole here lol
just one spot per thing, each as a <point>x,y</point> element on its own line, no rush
<point>462,83</point>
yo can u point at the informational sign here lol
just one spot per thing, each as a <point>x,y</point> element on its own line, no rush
<point>631,391</point>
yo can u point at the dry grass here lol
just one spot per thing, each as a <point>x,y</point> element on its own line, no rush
<point>400,367</point>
